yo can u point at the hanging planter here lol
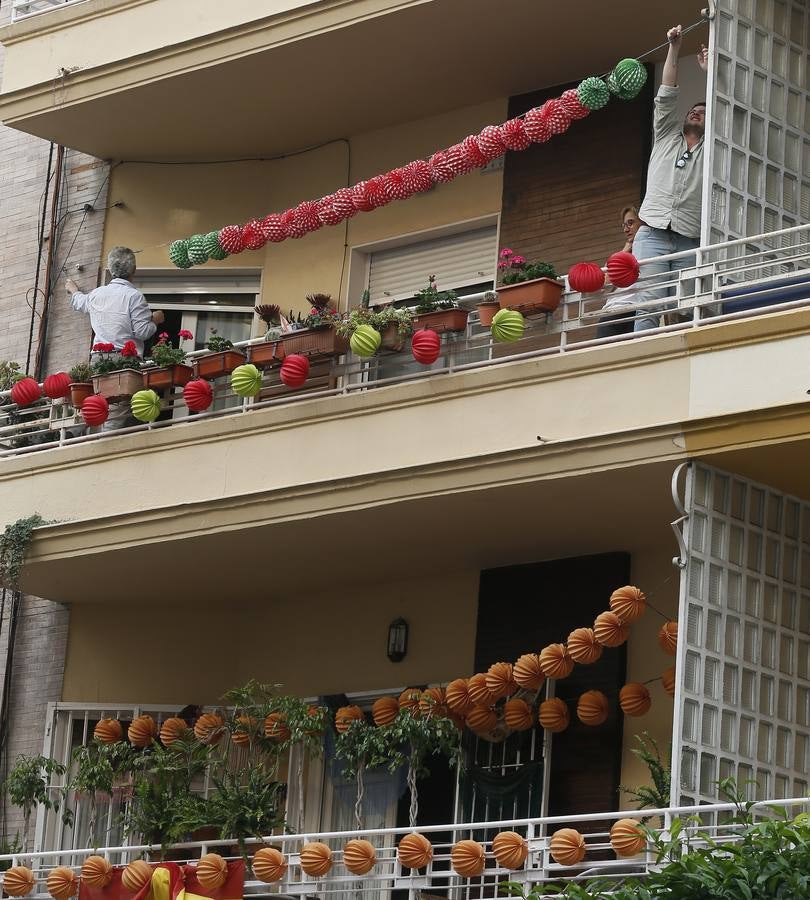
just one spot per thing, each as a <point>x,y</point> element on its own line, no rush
<point>267,354</point>
<point>162,377</point>
<point>540,295</point>
<point>214,365</point>
<point>315,342</point>
<point>440,320</point>
<point>487,310</point>
<point>79,392</point>
<point>118,385</point>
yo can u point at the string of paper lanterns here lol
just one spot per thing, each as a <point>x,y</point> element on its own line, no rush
<point>538,125</point>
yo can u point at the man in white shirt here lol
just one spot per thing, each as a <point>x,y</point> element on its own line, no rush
<point>670,213</point>
<point>118,311</point>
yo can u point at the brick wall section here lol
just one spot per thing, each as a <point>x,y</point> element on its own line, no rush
<point>43,626</point>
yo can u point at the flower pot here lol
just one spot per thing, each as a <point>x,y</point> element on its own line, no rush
<point>487,310</point>
<point>162,377</point>
<point>79,392</point>
<point>265,355</point>
<point>212,365</point>
<point>442,320</point>
<point>541,295</point>
<point>118,385</point>
<point>315,342</point>
<point>391,338</point>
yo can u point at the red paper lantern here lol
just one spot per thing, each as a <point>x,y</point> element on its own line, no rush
<point>556,115</point>
<point>459,160</point>
<point>622,269</point>
<point>472,152</point>
<point>57,385</point>
<point>294,370</point>
<point>514,135</point>
<point>426,346</point>
<point>537,126</point>
<point>395,185</point>
<point>95,410</point>
<point>417,176</point>
<point>491,143</point>
<point>573,106</point>
<point>304,220</point>
<point>230,239</point>
<point>328,213</point>
<point>253,235</point>
<point>272,228</point>
<point>342,201</point>
<point>25,392</point>
<point>441,171</point>
<point>586,277</point>
<point>198,395</point>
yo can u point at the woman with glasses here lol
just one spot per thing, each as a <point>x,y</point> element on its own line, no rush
<point>621,303</point>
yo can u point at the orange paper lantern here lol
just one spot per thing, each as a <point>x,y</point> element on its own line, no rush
<point>244,730</point>
<point>108,731</point>
<point>359,857</point>
<point>18,881</point>
<point>510,849</point>
<point>583,646</point>
<point>414,851</point>
<point>409,699</point>
<point>592,708</point>
<point>316,859</point>
<point>556,662</point>
<point>528,673</point>
<point>468,858</point>
<point>142,731</point>
<point>668,681</point>
<point>668,637</point>
<point>345,716</point>
<point>276,728</point>
<point>609,630</point>
<point>482,719</point>
<point>634,699</point>
<point>554,715</point>
<point>269,865</point>
<point>518,714</point>
<point>385,710</point>
<point>499,680</point>
<point>62,883</point>
<point>457,696</point>
<point>480,694</point>
<point>136,876</point>
<point>96,871</point>
<point>567,847</point>
<point>627,837</point>
<point>212,871</point>
<point>431,703</point>
<point>208,729</point>
<point>628,603</point>
<point>172,729</point>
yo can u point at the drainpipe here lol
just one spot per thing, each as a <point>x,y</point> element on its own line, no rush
<point>43,319</point>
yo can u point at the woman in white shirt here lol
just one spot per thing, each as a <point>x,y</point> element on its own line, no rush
<point>620,319</point>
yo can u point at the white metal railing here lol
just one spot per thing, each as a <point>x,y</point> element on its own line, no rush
<point>693,297</point>
<point>22,9</point>
<point>716,821</point>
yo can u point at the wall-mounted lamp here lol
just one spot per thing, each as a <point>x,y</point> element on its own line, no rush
<point>397,640</point>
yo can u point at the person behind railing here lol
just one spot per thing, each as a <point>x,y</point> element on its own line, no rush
<point>621,303</point>
<point>118,313</point>
<point>670,213</point>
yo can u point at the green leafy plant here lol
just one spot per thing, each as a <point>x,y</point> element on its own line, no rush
<point>95,770</point>
<point>514,268</point>
<point>378,319</point>
<point>106,358</point>
<point>217,344</point>
<point>655,796</point>
<point>10,374</point>
<point>431,299</point>
<point>28,786</point>
<point>14,542</point>
<point>361,747</point>
<point>81,373</point>
<point>322,313</point>
<point>246,804</point>
<point>8,846</point>
<point>164,354</point>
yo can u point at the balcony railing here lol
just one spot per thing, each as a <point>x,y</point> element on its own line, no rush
<point>733,280</point>
<point>701,824</point>
<point>22,9</point>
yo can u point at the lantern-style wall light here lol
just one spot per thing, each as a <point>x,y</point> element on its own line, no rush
<point>397,640</point>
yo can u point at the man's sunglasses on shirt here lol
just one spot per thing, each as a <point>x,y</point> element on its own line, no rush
<point>687,155</point>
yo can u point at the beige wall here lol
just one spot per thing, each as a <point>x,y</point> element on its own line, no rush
<point>164,202</point>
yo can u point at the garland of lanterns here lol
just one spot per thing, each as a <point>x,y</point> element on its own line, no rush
<point>538,125</point>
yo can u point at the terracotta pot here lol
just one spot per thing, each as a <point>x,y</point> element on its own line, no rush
<point>79,392</point>
<point>265,355</point>
<point>167,376</point>
<point>442,320</point>
<point>212,365</point>
<point>118,385</point>
<point>315,342</point>
<point>391,338</point>
<point>541,295</point>
<point>486,311</point>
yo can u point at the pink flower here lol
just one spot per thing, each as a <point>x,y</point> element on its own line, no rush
<point>518,261</point>
<point>164,335</point>
<point>314,311</point>
<point>506,253</point>
<point>503,264</point>
<point>185,335</point>
<point>129,349</point>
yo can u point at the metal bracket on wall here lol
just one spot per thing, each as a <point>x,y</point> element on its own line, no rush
<point>680,560</point>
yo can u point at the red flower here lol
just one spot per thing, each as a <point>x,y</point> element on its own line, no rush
<point>185,335</point>
<point>103,348</point>
<point>129,349</point>
<point>314,311</point>
<point>164,335</point>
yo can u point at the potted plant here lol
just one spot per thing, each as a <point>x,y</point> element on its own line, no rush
<point>116,374</point>
<point>487,308</point>
<point>168,369</point>
<point>395,325</point>
<point>96,771</point>
<point>28,785</point>
<point>318,337</point>
<point>222,359</point>
<point>270,353</point>
<point>439,310</point>
<point>530,288</point>
<point>81,383</point>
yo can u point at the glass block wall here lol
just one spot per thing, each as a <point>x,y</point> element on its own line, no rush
<point>745,654</point>
<point>760,152</point>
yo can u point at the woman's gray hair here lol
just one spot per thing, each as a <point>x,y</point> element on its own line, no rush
<point>121,262</point>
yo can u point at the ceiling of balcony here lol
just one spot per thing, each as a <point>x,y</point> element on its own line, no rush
<point>423,60</point>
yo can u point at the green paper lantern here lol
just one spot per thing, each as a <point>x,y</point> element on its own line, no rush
<point>507,326</point>
<point>212,247</point>
<point>627,78</point>
<point>145,406</point>
<point>593,93</point>
<point>178,254</point>
<point>246,380</point>
<point>197,254</point>
<point>365,340</point>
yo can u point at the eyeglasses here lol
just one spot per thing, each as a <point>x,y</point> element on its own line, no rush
<point>687,154</point>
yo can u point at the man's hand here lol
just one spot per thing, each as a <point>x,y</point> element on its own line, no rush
<point>703,58</point>
<point>71,286</point>
<point>674,36</point>
<point>157,317</point>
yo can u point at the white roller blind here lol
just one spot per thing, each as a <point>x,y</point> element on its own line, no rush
<point>455,260</point>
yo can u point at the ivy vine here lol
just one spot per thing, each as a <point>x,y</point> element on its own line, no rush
<point>14,542</point>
